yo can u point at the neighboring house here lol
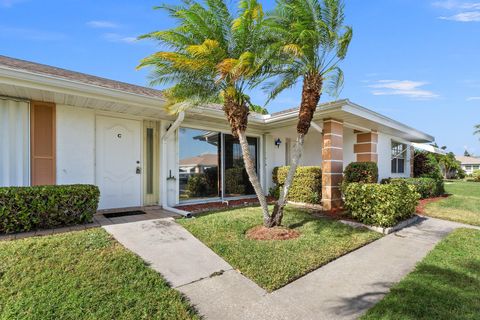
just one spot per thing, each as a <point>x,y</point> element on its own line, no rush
<point>64,127</point>
<point>469,164</point>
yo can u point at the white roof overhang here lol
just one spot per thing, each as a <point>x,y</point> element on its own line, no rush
<point>41,87</point>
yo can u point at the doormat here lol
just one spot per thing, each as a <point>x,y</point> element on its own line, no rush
<point>123,214</point>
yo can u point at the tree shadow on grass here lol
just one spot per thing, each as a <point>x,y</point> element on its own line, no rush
<point>431,292</point>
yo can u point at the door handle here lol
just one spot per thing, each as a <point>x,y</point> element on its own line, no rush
<point>138,170</point>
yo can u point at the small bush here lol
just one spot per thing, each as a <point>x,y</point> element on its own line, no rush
<point>382,205</point>
<point>30,208</point>
<point>197,186</point>
<point>426,166</point>
<point>426,187</point>
<point>306,186</point>
<point>364,172</point>
<point>233,180</point>
<point>476,175</point>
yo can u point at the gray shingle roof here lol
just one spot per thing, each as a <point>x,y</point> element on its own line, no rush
<point>43,69</point>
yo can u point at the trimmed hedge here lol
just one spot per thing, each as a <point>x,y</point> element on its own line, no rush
<point>382,205</point>
<point>426,187</point>
<point>365,172</point>
<point>306,186</point>
<point>30,208</point>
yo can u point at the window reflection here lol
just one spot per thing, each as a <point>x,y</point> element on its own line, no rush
<point>236,178</point>
<point>199,169</point>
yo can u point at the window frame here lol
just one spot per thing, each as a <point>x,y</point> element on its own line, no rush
<point>398,154</point>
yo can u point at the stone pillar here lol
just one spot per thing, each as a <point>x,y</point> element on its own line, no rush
<point>332,164</point>
<point>366,147</point>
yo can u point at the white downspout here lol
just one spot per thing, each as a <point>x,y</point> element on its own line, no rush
<point>164,166</point>
<point>316,127</point>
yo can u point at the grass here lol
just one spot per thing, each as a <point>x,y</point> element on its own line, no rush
<point>445,285</point>
<point>82,275</point>
<point>462,206</point>
<point>273,264</point>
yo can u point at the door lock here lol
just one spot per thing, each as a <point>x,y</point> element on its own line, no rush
<point>139,170</point>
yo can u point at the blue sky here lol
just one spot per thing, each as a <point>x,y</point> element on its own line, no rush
<point>416,61</point>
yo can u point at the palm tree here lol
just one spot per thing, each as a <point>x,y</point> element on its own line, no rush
<point>214,56</point>
<point>477,129</point>
<point>312,40</point>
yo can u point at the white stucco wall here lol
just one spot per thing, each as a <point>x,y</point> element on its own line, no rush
<point>349,140</point>
<point>75,145</point>
<point>312,155</point>
<point>384,150</point>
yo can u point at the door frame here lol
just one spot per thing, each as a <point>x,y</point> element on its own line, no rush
<point>153,198</point>
<point>142,149</point>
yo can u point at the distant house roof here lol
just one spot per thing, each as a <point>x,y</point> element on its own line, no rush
<point>468,160</point>
<point>43,69</point>
<point>206,160</point>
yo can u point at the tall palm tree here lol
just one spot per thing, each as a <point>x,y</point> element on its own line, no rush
<point>477,129</point>
<point>312,40</point>
<point>214,56</point>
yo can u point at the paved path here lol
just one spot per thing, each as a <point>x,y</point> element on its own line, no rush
<point>342,289</point>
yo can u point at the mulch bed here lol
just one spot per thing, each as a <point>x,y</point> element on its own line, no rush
<point>209,206</point>
<point>424,202</point>
<point>276,233</point>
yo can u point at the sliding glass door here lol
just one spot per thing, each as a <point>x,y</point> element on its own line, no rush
<point>236,178</point>
<point>211,165</point>
<point>199,165</point>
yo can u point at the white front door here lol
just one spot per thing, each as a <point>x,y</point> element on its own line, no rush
<point>118,161</point>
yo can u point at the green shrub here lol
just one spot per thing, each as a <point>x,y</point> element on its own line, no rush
<point>476,175</point>
<point>233,180</point>
<point>426,187</point>
<point>30,208</point>
<point>364,172</point>
<point>306,186</point>
<point>197,186</point>
<point>381,205</point>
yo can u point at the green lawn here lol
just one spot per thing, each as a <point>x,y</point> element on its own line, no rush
<point>273,264</point>
<point>462,206</point>
<point>445,285</point>
<point>82,275</point>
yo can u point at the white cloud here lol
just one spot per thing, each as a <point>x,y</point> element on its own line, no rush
<point>102,24</point>
<point>473,98</point>
<point>461,11</point>
<point>115,37</point>
<point>407,88</point>
<point>472,16</point>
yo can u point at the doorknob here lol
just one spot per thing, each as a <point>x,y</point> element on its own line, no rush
<point>139,170</point>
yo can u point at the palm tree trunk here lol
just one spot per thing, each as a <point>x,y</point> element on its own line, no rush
<point>252,175</point>
<point>312,86</point>
<point>277,214</point>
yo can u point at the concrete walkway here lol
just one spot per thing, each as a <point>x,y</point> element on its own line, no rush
<point>342,289</point>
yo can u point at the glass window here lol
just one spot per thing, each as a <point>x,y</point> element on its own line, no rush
<point>476,167</point>
<point>398,157</point>
<point>199,167</point>
<point>149,160</point>
<point>237,182</point>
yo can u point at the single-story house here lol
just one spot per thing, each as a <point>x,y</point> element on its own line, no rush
<point>469,164</point>
<point>64,127</point>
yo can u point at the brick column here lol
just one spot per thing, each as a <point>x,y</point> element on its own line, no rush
<point>332,164</point>
<point>366,147</point>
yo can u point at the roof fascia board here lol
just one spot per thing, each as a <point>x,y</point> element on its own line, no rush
<point>66,86</point>
<point>368,114</point>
